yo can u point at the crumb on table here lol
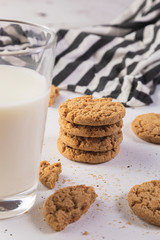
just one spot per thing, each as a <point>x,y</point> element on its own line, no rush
<point>53,95</point>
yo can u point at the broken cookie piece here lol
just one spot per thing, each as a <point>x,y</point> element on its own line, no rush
<point>67,205</point>
<point>49,174</point>
<point>53,95</point>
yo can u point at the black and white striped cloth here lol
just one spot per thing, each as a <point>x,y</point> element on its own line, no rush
<point>119,60</point>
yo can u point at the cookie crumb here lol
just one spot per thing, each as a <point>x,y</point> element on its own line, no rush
<point>85,233</point>
<point>49,174</point>
<point>63,181</point>
<point>42,14</point>
<point>53,95</point>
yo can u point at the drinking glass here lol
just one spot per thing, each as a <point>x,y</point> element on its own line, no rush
<point>27,53</point>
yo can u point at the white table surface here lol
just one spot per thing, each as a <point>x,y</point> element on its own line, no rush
<point>63,13</point>
<point>138,161</point>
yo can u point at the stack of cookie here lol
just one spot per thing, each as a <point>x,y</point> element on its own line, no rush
<point>90,129</point>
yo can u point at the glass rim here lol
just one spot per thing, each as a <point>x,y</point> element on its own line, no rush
<point>30,50</point>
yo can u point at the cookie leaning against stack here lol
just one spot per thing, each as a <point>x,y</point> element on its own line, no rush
<point>90,129</point>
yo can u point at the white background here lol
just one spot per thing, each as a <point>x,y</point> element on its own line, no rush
<point>63,13</point>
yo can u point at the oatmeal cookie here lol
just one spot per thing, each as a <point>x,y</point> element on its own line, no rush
<point>49,174</point>
<point>67,205</point>
<point>53,95</point>
<point>84,156</point>
<point>144,200</point>
<point>90,131</point>
<point>101,144</point>
<point>147,127</point>
<point>93,112</point>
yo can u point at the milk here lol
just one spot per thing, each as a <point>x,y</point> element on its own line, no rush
<point>23,106</point>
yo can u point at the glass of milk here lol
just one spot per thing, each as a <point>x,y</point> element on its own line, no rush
<point>27,53</point>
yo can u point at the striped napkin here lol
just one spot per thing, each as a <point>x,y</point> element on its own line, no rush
<point>119,60</point>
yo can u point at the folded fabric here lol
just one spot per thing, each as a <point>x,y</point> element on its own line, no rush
<point>119,60</point>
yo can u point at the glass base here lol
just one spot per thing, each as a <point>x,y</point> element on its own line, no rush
<point>17,204</point>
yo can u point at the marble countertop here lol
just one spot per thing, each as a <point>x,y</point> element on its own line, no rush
<point>110,217</point>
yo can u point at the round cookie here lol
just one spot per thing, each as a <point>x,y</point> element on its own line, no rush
<point>147,127</point>
<point>144,200</point>
<point>91,144</point>
<point>84,156</point>
<point>93,112</point>
<point>90,131</point>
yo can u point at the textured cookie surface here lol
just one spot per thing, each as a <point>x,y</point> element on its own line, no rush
<point>49,174</point>
<point>53,95</point>
<point>93,112</point>
<point>67,205</point>
<point>147,127</point>
<point>144,200</point>
<point>91,144</point>
<point>90,131</point>
<point>84,156</point>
